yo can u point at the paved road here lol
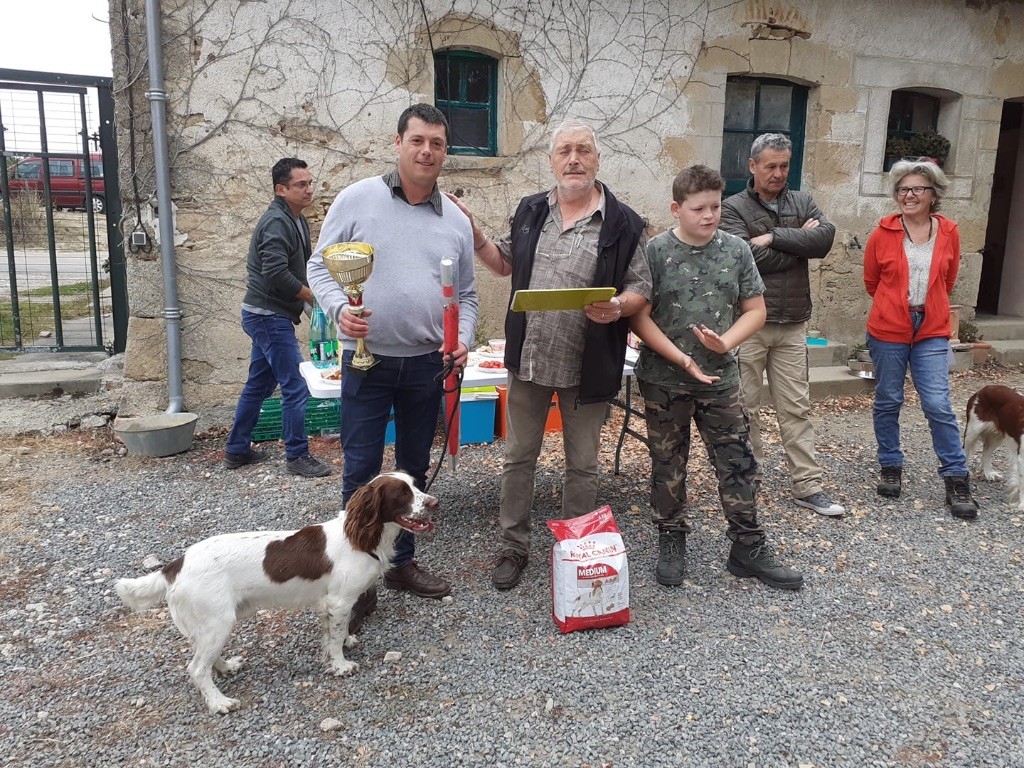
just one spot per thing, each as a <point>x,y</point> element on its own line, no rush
<point>32,267</point>
<point>31,256</point>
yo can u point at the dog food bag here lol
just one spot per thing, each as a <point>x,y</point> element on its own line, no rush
<point>589,575</point>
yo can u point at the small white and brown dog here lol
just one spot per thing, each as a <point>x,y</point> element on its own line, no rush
<point>995,414</point>
<point>230,577</point>
<point>593,600</point>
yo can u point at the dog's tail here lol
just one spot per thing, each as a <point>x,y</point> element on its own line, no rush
<point>967,417</point>
<point>144,592</point>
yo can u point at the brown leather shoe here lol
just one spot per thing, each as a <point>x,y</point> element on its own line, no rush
<point>365,605</point>
<point>508,570</point>
<point>414,579</point>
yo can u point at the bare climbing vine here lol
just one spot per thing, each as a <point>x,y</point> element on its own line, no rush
<point>249,81</point>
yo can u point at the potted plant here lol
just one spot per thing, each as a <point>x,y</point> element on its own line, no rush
<point>930,144</point>
<point>895,148</point>
<point>968,334</point>
<point>860,352</point>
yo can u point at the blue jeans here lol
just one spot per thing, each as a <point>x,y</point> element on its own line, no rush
<point>274,361</point>
<point>929,370</point>
<point>410,386</point>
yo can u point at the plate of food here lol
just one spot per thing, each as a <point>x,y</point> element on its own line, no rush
<point>491,352</point>
<point>491,366</point>
<point>331,374</point>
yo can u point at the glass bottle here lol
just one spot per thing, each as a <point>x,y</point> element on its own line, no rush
<point>323,343</point>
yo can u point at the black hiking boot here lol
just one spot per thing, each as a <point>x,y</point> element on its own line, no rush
<point>236,460</point>
<point>891,483</point>
<point>958,497</point>
<point>671,558</point>
<point>760,560</point>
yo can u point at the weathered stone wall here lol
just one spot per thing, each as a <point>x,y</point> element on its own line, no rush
<point>251,82</point>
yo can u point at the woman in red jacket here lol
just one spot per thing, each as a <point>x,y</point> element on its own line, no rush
<point>910,266</point>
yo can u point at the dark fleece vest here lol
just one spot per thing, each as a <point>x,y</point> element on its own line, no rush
<point>604,349</point>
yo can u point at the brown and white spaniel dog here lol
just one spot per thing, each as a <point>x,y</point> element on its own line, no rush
<point>226,578</point>
<point>995,414</point>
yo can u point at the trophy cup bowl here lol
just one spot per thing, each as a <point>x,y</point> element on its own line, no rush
<point>350,264</point>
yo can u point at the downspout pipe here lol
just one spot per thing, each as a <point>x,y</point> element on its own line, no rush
<point>157,97</point>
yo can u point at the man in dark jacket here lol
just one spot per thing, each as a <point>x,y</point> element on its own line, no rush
<point>577,235</point>
<point>276,292</point>
<point>785,230</point>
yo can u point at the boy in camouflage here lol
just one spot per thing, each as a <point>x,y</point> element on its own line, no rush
<point>703,280</point>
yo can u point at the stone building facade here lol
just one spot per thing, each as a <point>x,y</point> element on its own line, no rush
<point>665,83</point>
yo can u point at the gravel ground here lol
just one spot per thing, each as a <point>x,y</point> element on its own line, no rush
<point>902,649</point>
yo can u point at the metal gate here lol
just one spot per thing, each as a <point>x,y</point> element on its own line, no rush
<point>64,286</point>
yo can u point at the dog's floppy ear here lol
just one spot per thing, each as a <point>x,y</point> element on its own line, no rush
<point>363,520</point>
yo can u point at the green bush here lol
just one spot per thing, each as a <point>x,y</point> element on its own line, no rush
<point>968,331</point>
<point>930,144</point>
<point>897,146</point>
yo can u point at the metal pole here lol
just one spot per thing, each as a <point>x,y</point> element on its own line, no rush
<point>90,219</point>
<point>12,272</point>
<point>157,97</point>
<point>115,242</point>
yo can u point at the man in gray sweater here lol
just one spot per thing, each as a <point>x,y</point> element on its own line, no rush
<point>785,230</point>
<point>276,291</point>
<point>411,227</point>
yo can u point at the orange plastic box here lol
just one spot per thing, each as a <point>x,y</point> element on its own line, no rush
<point>553,424</point>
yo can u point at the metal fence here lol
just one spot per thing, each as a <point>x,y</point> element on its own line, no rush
<point>64,286</point>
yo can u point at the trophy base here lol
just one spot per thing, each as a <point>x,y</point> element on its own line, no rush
<point>360,366</point>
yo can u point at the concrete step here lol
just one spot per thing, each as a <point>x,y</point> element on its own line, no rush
<point>1007,352</point>
<point>1000,327</point>
<point>837,381</point>
<point>830,354</point>
<point>53,374</point>
<point>831,381</point>
<point>50,383</point>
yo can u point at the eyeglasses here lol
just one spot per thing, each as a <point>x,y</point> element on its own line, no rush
<point>918,191</point>
<point>300,184</point>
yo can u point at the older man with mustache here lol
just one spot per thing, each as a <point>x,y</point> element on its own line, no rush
<point>575,235</point>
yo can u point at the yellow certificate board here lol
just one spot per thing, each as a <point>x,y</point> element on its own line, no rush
<point>559,298</point>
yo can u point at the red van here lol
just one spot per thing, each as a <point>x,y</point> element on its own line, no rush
<point>67,180</point>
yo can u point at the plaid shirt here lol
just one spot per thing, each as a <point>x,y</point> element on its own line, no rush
<point>553,347</point>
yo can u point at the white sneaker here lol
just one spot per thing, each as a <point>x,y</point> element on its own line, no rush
<point>821,504</point>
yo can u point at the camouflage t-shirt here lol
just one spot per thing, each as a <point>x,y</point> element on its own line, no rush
<point>693,286</point>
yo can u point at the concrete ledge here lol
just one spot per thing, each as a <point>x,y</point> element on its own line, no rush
<point>831,381</point>
<point>1007,352</point>
<point>829,355</point>
<point>837,381</point>
<point>52,361</point>
<point>49,382</point>
<point>1000,328</point>
<point>963,357</point>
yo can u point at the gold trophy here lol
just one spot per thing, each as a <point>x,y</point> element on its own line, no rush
<point>350,264</point>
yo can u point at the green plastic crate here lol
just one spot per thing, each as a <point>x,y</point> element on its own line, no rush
<point>322,418</point>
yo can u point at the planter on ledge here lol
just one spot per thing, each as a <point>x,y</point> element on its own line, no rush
<point>862,369</point>
<point>982,350</point>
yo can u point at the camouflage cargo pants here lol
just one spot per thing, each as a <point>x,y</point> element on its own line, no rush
<point>723,426</point>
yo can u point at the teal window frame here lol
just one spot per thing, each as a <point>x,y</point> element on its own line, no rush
<point>905,105</point>
<point>796,132</point>
<point>458,87</point>
<point>910,112</point>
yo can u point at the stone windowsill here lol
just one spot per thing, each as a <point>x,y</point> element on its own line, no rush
<point>475,164</point>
